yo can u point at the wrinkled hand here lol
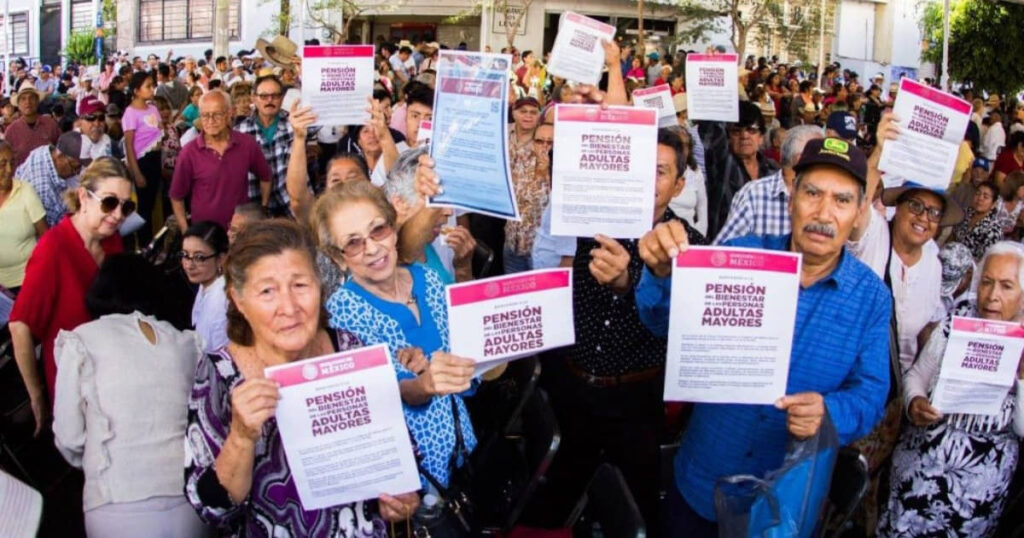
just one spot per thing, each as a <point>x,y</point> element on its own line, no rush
<point>413,359</point>
<point>461,241</point>
<point>399,507</point>
<point>41,412</point>
<point>660,246</point>
<point>447,374</point>
<point>428,184</point>
<point>611,53</point>
<point>252,403</point>
<point>922,413</point>
<point>804,412</point>
<point>301,119</point>
<point>609,264</point>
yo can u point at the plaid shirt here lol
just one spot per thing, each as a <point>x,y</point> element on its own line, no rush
<point>760,208</point>
<point>276,152</point>
<point>39,171</point>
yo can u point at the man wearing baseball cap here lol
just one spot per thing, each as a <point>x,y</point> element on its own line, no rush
<point>839,359</point>
<point>92,124</point>
<point>732,158</point>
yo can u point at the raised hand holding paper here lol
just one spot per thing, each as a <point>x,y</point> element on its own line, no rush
<point>343,429</point>
<point>578,54</point>
<point>979,366</point>
<point>731,323</point>
<point>659,98</point>
<point>499,319</point>
<point>933,125</point>
<point>336,81</point>
<point>712,87</point>
<point>469,131</point>
<point>604,171</point>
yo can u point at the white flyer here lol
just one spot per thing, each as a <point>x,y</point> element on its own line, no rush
<point>578,54</point>
<point>425,132</point>
<point>712,87</point>
<point>733,311</point>
<point>978,367</point>
<point>933,125</point>
<point>603,171</point>
<point>343,428</point>
<point>336,82</point>
<point>659,98</point>
<point>499,319</point>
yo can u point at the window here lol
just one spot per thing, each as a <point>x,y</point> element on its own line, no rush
<point>17,42</point>
<point>82,17</point>
<point>183,20</point>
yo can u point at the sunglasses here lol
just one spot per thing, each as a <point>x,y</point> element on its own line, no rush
<point>93,117</point>
<point>357,245</point>
<point>917,208</point>
<point>109,203</point>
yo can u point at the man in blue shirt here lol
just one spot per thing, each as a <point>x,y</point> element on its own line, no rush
<point>840,355</point>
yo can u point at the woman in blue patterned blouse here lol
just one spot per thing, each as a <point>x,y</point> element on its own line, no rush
<point>401,306</point>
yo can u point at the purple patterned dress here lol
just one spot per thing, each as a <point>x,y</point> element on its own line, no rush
<point>272,508</point>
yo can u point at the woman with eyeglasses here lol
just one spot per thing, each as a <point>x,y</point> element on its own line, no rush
<point>128,359</point>
<point>203,249</point>
<point>383,302</point>
<point>60,270</point>
<point>982,227</point>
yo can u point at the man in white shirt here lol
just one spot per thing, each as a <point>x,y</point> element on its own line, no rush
<point>995,136</point>
<point>401,63</point>
<point>91,123</point>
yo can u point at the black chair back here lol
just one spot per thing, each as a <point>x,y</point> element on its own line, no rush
<point>850,480</point>
<point>607,505</point>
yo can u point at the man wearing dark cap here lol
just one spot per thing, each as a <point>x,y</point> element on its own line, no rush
<point>48,168</point>
<point>839,359</point>
<point>91,123</point>
<point>732,158</point>
<point>842,124</point>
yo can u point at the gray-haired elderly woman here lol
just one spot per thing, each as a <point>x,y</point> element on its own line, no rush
<point>953,471</point>
<point>427,235</point>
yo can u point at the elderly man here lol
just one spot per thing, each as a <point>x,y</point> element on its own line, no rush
<point>762,207</point>
<point>732,158</point>
<point>269,125</point>
<point>91,123</point>
<point>839,356</point>
<point>32,129</point>
<point>48,168</point>
<point>213,170</point>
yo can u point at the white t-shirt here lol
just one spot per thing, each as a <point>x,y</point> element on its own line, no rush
<point>692,204</point>
<point>210,315</point>
<point>916,289</point>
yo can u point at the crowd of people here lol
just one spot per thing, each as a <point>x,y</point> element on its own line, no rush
<point>170,227</point>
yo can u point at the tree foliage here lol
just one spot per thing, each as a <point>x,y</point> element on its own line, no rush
<point>737,17</point>
<point>81,48</point>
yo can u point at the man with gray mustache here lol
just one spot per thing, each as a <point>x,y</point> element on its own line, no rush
<point>839,359</point>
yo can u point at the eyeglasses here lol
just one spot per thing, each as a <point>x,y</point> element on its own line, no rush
<point>213,116</point>
<point>917,208</point>
<point>357,245</point>
<point>93,117</point>
<point>268,96</point>
<point>544,142</point>
<point>736,130</point>
<point>109,203</point>
<point>195,258</point>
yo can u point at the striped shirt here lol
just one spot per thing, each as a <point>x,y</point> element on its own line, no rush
<point>760,208</point>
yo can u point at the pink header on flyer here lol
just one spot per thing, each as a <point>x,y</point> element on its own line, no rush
<point>468,86</point>
<point>337,364</point>
<point>652,90</point>
<point>507,286</point>
<point>752,260</point>
<point>338,51</point>
<point>936,96</point>
<point>724,58</point>
<point>590,23</point>
<point>984,326</point>
<point>594,114</point>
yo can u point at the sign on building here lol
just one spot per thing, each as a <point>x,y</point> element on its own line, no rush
<point>505,18</point>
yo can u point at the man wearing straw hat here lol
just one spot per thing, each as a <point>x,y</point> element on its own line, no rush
<point>32,129</point>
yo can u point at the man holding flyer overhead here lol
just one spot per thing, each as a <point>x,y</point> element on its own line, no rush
<point>839,359</point>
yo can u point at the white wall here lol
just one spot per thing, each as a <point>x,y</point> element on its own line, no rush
<point>856,30</point>
<point>906,34</point>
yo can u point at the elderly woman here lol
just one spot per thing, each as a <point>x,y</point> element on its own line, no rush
<point>401,306</point>
<point>108,369</point>
<point>424,233</point>
<point>23,218</point>
<point>203,249</point>
<point>982,227</point>
<point>237,477</point>
<point>60,270</point>
<point>953,471</point>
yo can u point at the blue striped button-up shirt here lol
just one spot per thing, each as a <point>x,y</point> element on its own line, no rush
<point>840,350</point>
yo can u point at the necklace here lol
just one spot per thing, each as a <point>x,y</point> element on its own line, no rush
<point>412,296</point>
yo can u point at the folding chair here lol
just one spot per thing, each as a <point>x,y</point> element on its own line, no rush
<point>607,508</point>
<point>850,480</point>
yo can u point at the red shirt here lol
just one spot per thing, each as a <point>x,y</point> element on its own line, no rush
<point>1005,163</point>
<point>25,138</point>
<point>218,183</point>
<point>59,273</point>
